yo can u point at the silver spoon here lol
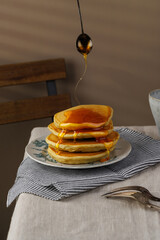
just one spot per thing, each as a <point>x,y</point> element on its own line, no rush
<point>83,43</point>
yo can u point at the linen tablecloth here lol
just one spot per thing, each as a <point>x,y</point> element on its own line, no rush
<point>89,216</point>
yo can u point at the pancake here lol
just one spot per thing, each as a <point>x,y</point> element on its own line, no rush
<point>83,133</point>
<point>83,117</point>
<point>77,158</point>
<point>84,145</point>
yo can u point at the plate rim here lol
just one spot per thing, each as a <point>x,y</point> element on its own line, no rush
<point>80,166</point>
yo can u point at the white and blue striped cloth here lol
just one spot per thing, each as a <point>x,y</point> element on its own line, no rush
<point>57,183</point>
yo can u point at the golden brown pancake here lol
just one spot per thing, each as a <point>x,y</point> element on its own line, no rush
<point>77,158</point>
<point>83,117</point>
<point>83,145</point>
<point>83,133</point>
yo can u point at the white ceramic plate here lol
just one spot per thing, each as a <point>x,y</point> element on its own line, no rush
<point>37,151</point>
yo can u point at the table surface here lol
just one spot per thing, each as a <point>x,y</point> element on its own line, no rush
<point>89,216</point>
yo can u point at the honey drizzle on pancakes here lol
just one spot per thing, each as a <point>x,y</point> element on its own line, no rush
<point>107,146</point>
<point>108,143</point>
<point>75,135</point>
<point>85,115</point>
<point>60,136</point>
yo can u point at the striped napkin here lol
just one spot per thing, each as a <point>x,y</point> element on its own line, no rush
<point>57,183</point>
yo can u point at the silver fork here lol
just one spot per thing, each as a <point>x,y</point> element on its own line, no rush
<point>138,193</point>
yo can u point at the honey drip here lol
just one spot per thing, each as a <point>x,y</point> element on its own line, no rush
<point>107,143</point>
<point>81,78</point>
<point>60,136</point>
<point>75,135</point>
<point>84,46</point>
<point>104,141</point>
<point>105,159</point>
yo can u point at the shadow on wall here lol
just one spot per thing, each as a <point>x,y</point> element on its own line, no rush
<point>35,30</point>
<point>124,100</point>
<point>125,38</point>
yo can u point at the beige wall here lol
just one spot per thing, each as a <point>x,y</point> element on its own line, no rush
<point>123,66</point>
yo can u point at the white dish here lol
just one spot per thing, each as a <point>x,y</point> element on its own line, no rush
<point>37,151</point>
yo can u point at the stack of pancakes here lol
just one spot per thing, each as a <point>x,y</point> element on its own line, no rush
<point>82,134</point>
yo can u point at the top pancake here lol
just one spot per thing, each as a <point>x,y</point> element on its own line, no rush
<point>83,116</point>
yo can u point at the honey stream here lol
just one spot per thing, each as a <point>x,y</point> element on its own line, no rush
<point>84,46</point>
<point>81,78</point>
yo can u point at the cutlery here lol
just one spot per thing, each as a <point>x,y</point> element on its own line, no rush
<point>138,193</point>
